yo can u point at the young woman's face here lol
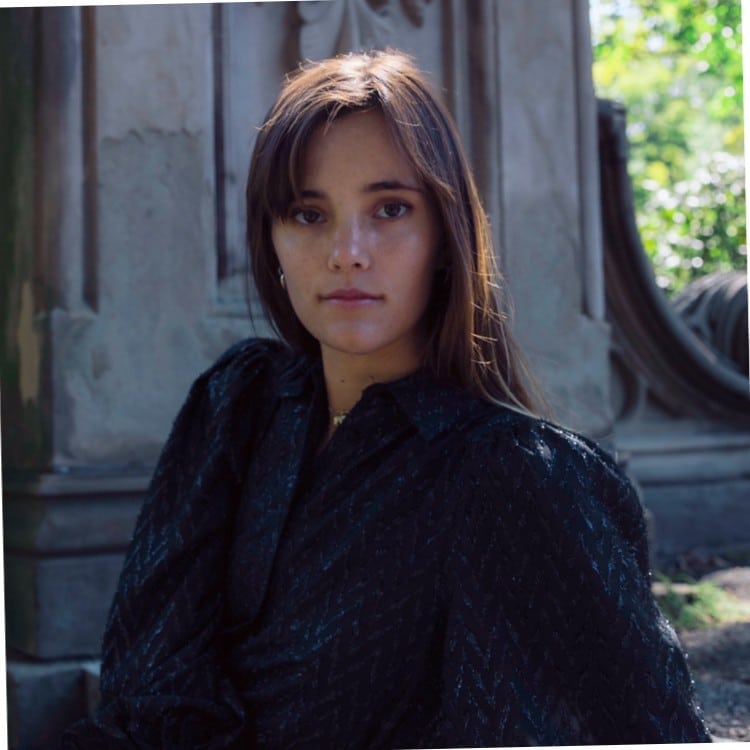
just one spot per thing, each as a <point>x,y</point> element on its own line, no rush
<point>359,251</point>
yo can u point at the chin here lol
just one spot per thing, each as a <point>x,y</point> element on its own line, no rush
<point>356,344</point>
<point>353,341</point>
<point>355,348</point>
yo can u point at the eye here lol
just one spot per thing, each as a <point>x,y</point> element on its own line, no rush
<point>306,216</point>
<point>392,210</point>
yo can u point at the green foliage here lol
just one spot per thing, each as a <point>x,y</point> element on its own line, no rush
<point>677,67</point>
<point>698,605</point>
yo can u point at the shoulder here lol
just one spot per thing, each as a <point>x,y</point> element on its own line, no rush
<point>546,450</point>
<point>230,400</point>
<point>252,366</point>
<point>250,357</point>
<point>526,441</point>
<point>542,474</point>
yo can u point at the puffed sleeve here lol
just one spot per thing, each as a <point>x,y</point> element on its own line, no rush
<point>162,682</point>
<point>553,636</point>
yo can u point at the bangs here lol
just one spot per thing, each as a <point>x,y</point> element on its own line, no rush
<point>282,163</point>
<point>282,142</point>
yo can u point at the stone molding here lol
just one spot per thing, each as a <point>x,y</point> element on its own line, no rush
<point>65,539</point>
<point>54,514</point>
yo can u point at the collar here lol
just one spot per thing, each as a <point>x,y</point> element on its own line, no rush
<point>431,406</point>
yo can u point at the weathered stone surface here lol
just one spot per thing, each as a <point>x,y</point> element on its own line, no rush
<point>63,513</point>
<point>91,687</point>
<point>663,453</point>
<point>57,607</point>
<point>695,479</point>
<point>43,699</point>
<point>542,232</point>
<point>128,370</point>
<point>708,516</point>
<point>166,83</point>
<point>579,399</point>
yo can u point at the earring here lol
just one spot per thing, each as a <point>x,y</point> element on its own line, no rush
<point>282,280</point>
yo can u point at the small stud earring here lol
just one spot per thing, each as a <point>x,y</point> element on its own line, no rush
<point>282,279</point>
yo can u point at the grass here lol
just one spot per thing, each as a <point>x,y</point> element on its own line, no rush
<point>691,605</point>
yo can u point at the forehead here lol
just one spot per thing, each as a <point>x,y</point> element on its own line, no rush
<point>357,144</point>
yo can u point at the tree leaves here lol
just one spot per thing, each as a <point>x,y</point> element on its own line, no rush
<point>677,67</point>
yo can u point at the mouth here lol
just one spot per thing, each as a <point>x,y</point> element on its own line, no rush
<point>350,295</point>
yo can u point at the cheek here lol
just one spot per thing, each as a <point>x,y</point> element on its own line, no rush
<point>280,240</point>
<point>289,255</point>
<point>299,276</point>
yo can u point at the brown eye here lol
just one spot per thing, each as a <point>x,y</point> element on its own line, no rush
<point>392,210</point>
<point>307,216</point>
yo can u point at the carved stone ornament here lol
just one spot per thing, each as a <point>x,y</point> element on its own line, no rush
<point>414,10</point>
<point>686,374</point>
<point>330,27</point>
<point>715,309</point>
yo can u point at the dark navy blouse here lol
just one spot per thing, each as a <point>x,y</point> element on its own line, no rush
<point>444,573</point>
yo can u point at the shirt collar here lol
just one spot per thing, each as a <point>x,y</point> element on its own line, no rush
<point>432,407</point>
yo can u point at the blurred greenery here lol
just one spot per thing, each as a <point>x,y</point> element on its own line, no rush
<point>698,604</point>
<point>677,67</point>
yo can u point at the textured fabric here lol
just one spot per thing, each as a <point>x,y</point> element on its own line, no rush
<point>443,573</point>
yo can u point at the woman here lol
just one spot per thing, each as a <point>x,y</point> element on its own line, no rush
<point>362,538</point>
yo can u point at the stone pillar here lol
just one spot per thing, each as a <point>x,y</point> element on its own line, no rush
<point>550,228</point>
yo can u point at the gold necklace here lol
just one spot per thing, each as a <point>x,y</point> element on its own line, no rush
<point>338,417</point>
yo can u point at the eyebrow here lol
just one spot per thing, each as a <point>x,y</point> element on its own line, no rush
<point>373,187</point>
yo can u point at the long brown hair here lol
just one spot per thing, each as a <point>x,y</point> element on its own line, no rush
<point>469,342</point>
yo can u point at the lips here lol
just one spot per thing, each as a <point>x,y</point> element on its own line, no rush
<point>350,295</point>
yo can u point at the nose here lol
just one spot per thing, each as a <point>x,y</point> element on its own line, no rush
<point>349,248</point>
